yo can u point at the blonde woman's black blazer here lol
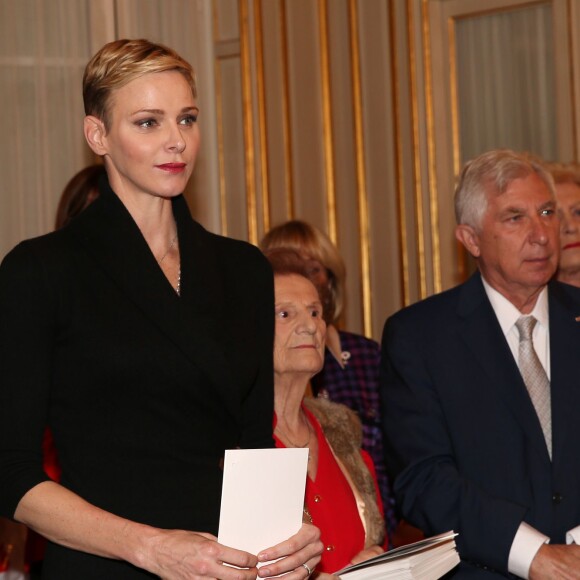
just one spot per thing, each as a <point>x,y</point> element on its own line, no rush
<point>143,389</point>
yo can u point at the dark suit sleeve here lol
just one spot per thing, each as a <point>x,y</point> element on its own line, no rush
<point>26,313</point>
<point>418,421</point>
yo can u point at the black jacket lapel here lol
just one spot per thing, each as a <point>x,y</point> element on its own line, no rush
<point>192,321</point>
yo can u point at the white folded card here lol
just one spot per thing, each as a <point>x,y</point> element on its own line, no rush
<point>262,497</point>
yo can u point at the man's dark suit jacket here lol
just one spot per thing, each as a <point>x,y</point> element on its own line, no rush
<point>143,389</point>
<point>463,435</point>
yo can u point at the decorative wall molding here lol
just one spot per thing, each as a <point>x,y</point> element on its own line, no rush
<point>344,113</point>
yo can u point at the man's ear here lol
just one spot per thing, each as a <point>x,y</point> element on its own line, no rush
<point>95,134</point>
<point>469,238</point>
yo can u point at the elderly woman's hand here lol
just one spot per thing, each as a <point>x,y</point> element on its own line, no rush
<point>182,555</point>
<point>367,553</point>
<point>296,557</point>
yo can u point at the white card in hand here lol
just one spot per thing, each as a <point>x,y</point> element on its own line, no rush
<point>262,497</point>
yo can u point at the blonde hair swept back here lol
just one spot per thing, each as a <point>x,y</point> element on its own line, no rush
<point>121,61</point>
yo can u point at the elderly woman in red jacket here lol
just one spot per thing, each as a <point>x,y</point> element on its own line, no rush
<point>341,490</point>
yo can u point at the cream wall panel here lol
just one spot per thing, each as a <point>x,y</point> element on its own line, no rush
<point>564,82</point>
<point>441,21</point>
<point>343,202</point>
<point>403,59</point>
<point>491,110</point>
<point>425,211</point>
<point>305,106</point>
<point>380,130</point>
<point>334,184</point>
<point>227,20</point>
<point>232,145</point>
<point>339,112</point>
<point>447,162</point>
<point>240,122</point>
<point>278,141</point>
<point>43,49</point>
<point>102,19</point>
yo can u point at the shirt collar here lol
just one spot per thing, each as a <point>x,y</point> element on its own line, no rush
<point>507,314</point>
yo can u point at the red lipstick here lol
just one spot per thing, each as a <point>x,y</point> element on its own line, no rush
<point>573,245</point>
<point>172,167</point>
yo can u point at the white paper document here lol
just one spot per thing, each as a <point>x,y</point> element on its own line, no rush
<point>262,497</point>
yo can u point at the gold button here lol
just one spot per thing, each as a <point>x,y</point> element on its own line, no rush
<point>330,548</point>
<point>317,499</point>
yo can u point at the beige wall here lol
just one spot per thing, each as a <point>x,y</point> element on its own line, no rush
<point>340,112</point>
<point>346,115</point>
<point>323,136</point>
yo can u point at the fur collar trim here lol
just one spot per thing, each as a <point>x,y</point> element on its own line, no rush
<point>342,429</point>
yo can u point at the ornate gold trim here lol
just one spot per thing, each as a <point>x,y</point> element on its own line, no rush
<point>417,154</point>
<point>248,122</point>
<point>399,170</point>
<point>289,173</point>
<point>327,128</point>
<point>461,253</point>
<point>360,169</point>
<point>499,9</point>
<point>433,192</point>
<point>220,133</point>
<point>454,97</point>
<point>571,56</point>
<point>262,119</point>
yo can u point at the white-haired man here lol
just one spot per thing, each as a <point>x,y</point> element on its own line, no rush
<point>481,387</point>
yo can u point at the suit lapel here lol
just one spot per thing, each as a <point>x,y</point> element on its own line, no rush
<point>565,378</point>
<point>191,322</point>
<point>483,335</point>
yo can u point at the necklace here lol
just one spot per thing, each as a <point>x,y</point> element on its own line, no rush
<point>178,287</point>
<point>168,249</point>
<point>282,432</point>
